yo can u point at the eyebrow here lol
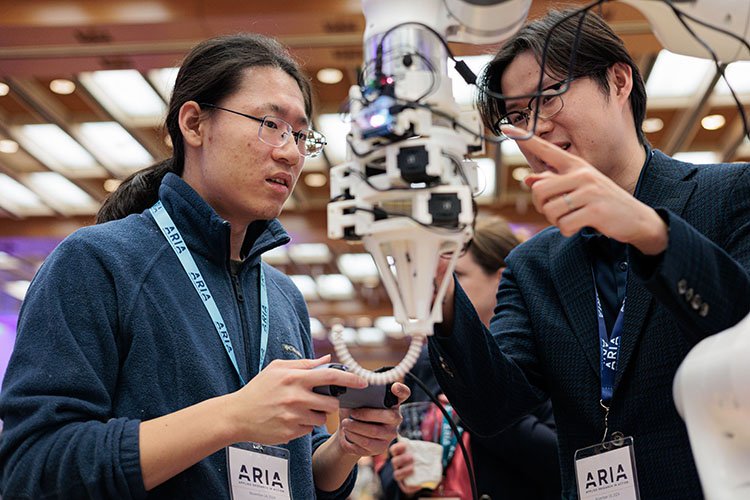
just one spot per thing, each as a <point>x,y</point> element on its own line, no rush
<point>275,108</point>
<point>508,109</point>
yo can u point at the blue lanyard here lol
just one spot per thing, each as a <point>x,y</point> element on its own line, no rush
<point>609,347</point>
<point>173,236</point>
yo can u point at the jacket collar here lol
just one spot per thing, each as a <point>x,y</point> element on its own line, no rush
<point>206,233</point>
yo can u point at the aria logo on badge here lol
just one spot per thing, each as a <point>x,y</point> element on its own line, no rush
<point>606,477</point>
<point>259,477</point>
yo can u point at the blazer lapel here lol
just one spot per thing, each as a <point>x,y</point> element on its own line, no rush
<point>663,185</point>
<point>570,270</point>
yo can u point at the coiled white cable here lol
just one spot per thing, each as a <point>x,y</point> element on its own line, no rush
<point>396,373</point>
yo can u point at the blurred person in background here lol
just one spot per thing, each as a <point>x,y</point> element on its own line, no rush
<point>520,462</point>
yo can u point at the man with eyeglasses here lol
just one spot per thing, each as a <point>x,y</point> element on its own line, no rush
<point>156,355</point>
<point>647,256</point>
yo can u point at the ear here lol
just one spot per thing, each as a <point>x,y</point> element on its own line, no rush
<point>498,274</point>
<point>621,81</point>
<point>190,123</point>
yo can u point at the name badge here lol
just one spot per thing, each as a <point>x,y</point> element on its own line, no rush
<point>607,470</point>
<point>258,471</point>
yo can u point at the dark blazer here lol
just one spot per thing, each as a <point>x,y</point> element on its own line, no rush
<point>544,338</point>
<point>518,463</point>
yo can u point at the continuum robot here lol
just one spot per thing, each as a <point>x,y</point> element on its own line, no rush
<point>406,189</point>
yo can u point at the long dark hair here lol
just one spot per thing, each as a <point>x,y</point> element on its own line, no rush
<point>598,49</point>
<point>210,72</point>
<point>493,240</point>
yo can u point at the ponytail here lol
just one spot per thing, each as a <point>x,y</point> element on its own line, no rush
<point>136,193</point>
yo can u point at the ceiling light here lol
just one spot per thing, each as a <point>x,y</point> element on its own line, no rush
<point>348,335</point>
<point>277,256</point>
<point>358,267</point>
<point>330,75</point>
<point>310,253</point>
<point>163,80</point>
<point>651,125</point>
<point>675,75</point>
<point>115,147</point>
<point>317,330</point>
<point>335,127</point>
<point>713,122</point>
<point>8,146</point>
<point>17,289</point>
<point>520,173</point>
<point>56,149</point>
<point>61,194</point>
<point>126,95</point>
<point>62,86</point>
<point>697,157</point>
<point>8,262</point>
<point>390,326</point>
<point>363,322</point>
<point>306,286</point>
<point>111,185</point>
<point>4,89</point>
<point>316,179</point>
<point>19,199</point>
<point>738,74</point>
<point>334,287</point>
<point>370,336</point>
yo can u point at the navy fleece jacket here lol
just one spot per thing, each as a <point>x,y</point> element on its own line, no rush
<point>112,333</point>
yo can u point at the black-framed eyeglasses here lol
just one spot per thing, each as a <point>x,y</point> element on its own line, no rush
<point>548,105</point>
<point>276,132</point>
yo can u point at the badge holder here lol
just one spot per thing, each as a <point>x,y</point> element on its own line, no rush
<point>258,471</point>
<point>607,470</point>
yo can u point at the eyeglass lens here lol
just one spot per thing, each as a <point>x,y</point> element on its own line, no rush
<point>276,132</point>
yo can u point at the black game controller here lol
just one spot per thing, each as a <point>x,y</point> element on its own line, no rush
<point>372,396</point>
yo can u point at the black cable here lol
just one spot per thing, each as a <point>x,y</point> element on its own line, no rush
<point>379,50</point>
<point>454,429</point>
<point>720,68</point>
<point>434,229</point>
<point>455,123</point>
<point>571,62</point>
<point>564,88</point>
<point>433,83</point>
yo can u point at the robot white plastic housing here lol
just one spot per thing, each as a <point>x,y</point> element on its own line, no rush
<point>406,187</point>
<point>712,395</point>
<point>729,15</point>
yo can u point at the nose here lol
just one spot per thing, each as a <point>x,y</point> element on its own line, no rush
<point>288,153</point>
<point>543,125</point>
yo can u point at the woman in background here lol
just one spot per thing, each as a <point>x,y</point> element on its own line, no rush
<point>520,462</point>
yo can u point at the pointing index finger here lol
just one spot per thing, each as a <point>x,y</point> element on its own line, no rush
<point>563,161</point>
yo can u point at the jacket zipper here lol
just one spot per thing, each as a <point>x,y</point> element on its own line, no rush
<point>237,288</point>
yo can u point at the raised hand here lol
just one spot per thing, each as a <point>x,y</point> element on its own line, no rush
<point>573,194</point>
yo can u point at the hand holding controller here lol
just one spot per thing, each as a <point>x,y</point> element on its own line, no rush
<point>372,396</point>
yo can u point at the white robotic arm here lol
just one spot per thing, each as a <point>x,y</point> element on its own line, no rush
<point>732,16</point>
<point>406,188</point>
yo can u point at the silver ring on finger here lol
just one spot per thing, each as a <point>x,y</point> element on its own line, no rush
<point>568,201</point>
